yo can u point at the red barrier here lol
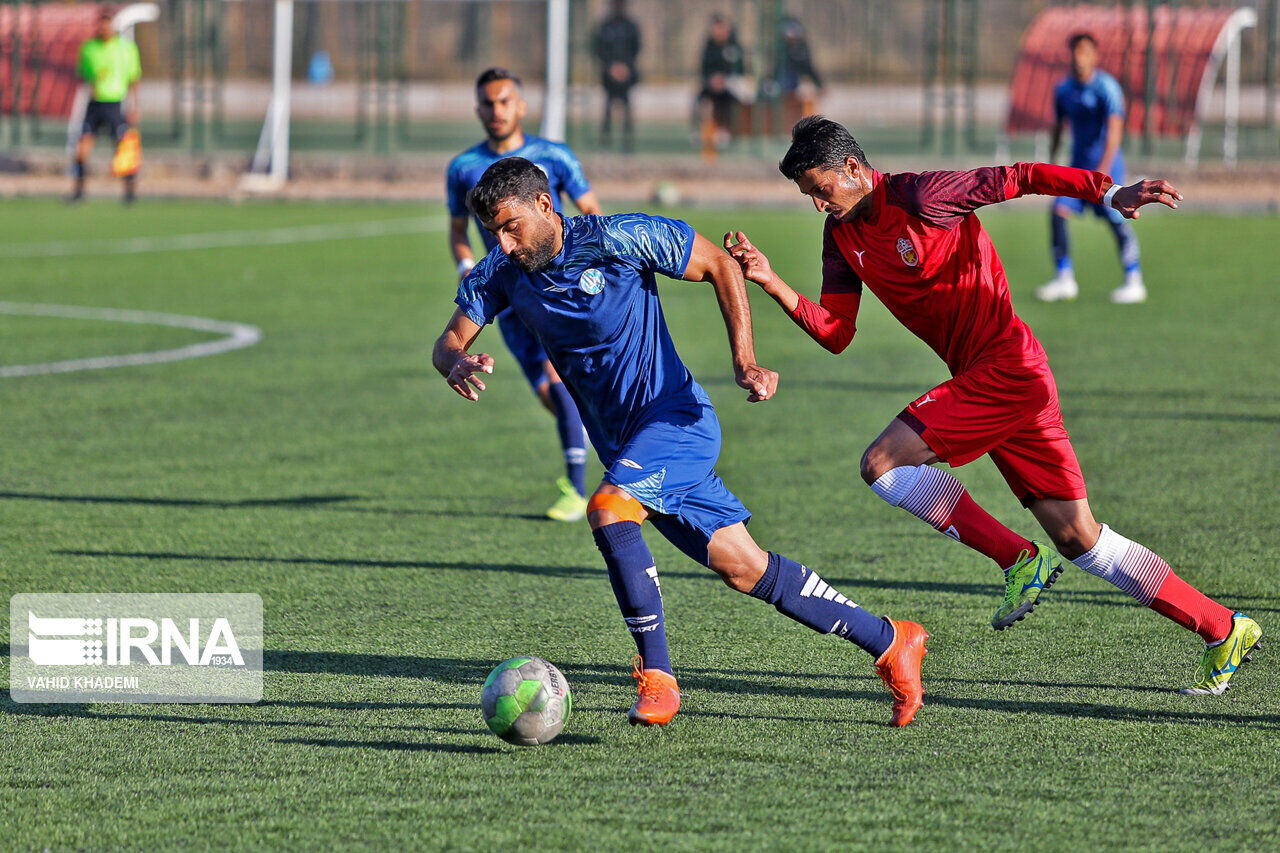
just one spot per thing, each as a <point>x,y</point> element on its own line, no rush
<point>1182,45</point>
<point>48,40</point>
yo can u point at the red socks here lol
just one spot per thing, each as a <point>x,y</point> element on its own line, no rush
<point>1192,609</point>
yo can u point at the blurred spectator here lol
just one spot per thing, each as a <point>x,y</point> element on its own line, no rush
<point>617,45</point>
<point>724,87</point>
<point>798,81</point>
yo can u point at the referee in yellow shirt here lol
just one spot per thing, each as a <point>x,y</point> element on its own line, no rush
<point>111,67</point>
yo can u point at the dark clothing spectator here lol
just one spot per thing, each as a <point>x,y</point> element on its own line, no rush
<point>793,69</point>
<point>724,63</point>
<point>795,63</point>
<point>617,47</point>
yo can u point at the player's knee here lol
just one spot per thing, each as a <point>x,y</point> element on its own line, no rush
<point>876,462</point>
<point>739,568</point>
<point>1074,539</point>
<point>736,573</point>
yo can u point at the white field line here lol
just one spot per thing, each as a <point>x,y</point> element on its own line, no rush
<point>235,336</point>
<point>224,239</point>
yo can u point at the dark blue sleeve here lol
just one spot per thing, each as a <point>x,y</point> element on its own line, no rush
<point>1059,109</point>
<point>481,295</point>
<point>659,244</point>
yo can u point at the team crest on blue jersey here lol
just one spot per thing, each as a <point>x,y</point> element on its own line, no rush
<point>591,282</point>
<point>908,252</point>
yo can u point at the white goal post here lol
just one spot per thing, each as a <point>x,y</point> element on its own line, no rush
<point>270,167</point>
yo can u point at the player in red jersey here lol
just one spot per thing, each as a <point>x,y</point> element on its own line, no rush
<point>914,241</point>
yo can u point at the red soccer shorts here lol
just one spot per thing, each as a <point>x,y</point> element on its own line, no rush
<point>1010,412</point>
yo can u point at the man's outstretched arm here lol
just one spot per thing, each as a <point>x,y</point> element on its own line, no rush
<point>708,263</point>
<point>945,198</point>
<point>831,322</point>
<point>456,365</point>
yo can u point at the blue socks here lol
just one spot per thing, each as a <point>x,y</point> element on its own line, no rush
<point>573,438</point>
<point>798,592</point>
<point>77,169</point>
<point>1127,243</point>
<point>793,589</point>
<point>1061,245</point>
<point>635,585</point>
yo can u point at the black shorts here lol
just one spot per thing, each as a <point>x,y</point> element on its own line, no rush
<point>101,114</point>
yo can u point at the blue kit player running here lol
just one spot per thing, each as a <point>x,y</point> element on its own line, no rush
<point>585,286</point>
<point>501,107</point>
<point>1090,100</point>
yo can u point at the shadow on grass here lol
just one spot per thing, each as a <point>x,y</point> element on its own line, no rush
<point>1104,598</point>
<point>359,563</point>
<point>760,683</point>
<point>693,680</point>
<point>398,745</point>
<point>294,501</point>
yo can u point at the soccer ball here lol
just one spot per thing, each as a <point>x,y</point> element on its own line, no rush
<point>526,701</point>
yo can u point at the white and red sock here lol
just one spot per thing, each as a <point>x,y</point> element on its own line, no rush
<point>1140,572</point>
<point>934,496</point>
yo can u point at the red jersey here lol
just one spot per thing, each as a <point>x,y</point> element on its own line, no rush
<point>925,255</point>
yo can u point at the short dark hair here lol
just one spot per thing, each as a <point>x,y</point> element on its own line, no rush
<point>509,178</point>
<point>818,142</point>
<point>1076,38</point>
<point>490,75</point>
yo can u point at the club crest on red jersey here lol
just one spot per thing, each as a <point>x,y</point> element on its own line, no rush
<point>908,252</point>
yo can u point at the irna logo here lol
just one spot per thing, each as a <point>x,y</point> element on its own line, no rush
<point>63,641</point>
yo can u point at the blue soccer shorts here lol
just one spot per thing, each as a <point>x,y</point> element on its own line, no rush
<point>669,466</point>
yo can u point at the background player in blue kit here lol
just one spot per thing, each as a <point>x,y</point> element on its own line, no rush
<point>586,287</point>
<point>501,107</point>
<point>1091,101</point>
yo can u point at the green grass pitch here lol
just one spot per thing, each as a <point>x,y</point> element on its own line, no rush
<point>391,529</point>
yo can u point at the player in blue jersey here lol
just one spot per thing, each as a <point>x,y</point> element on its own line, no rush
<point>501,107</point>
<point>585,286</point>
<point>1091,102</point>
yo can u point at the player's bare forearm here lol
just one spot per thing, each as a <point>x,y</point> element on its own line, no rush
<point>782,293</point>
<point>731,294</point>
<point>1055,142</point>
<point>456,365</point>
<point>459,243</point>
<point>589,204</point>
<point>708,263</point>
<point>132,98</point>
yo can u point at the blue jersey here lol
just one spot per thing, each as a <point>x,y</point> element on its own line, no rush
<point>562,168</point>
<point>1089,107</point>
<point>596,311</point>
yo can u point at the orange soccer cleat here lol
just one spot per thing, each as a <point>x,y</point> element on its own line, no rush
<point>659,696</point>
<point>899,669</point>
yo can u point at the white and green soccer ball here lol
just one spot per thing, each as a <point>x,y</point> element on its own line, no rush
<point>526,701</point>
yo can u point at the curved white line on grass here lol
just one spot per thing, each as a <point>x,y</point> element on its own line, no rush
<point>235,336</point>
<point>224,239</point>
